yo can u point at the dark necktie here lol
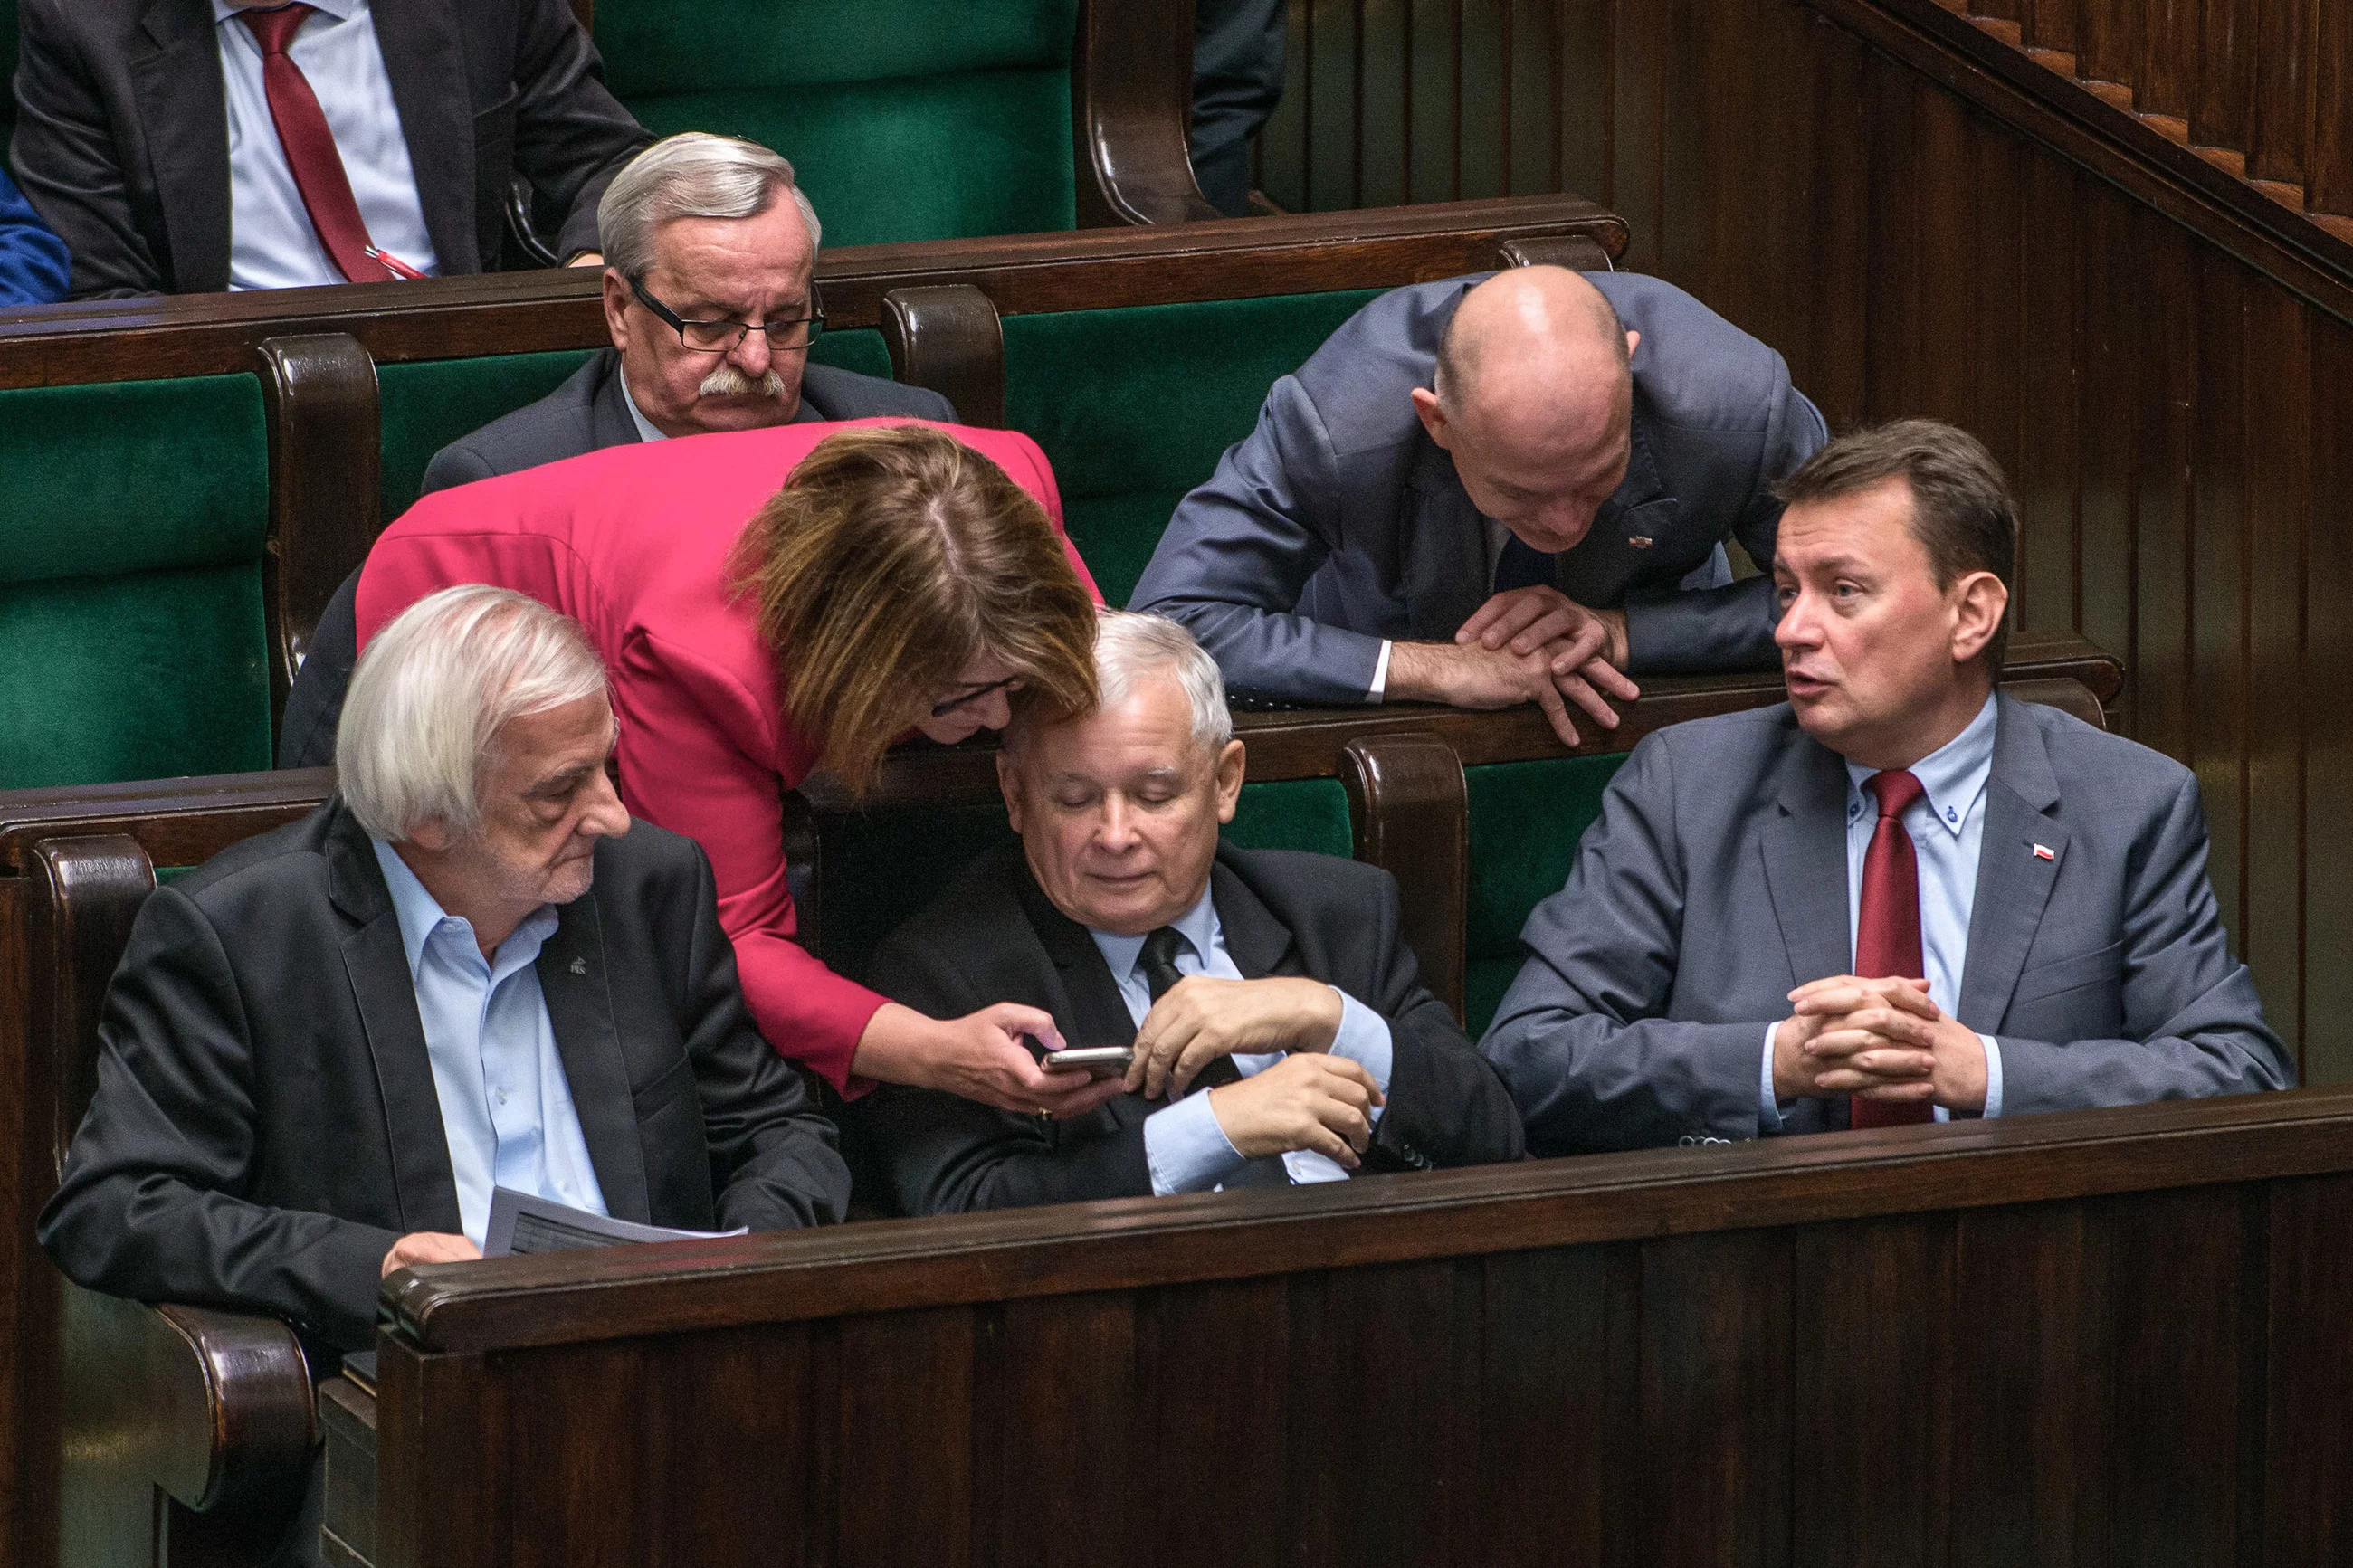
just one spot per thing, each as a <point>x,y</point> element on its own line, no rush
<point>310,154</point>
<point>1157,960</point>
<point>1887,925</point>
<point>1522,565</point>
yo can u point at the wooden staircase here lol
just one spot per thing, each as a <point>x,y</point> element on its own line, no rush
<point>2262,90</point>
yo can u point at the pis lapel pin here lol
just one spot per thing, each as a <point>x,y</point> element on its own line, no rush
<point>580,966</point>
<point>2044,852</point>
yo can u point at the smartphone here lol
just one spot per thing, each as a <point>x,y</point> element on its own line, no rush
<point>1098,1061</point>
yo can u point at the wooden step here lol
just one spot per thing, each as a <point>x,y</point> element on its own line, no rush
<point>2055,60</point>
<point>2002,28</point>
<point>2287,195</point>
<point>2173,128</point>
<point>2230,160</point>
<point>2115,94</point>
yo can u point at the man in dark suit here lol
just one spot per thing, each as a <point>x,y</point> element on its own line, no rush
<point>1493,490</point>
<point>182,146</point>
<point>1272,985</point>
<point>1899,897</point>
<point>470,970</point>
<point>699,230</point>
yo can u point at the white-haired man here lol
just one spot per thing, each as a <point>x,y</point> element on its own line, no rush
<point>710,247</point>
<point>467,969</point>
<point>1273,983</point>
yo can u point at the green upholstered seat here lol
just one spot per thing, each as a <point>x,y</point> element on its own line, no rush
<point>427,403</point>
<point>905,119</point>
<point>1135,405</point>
<point>1526,821</point>
<point>132,626</point>
<point>878,871</point>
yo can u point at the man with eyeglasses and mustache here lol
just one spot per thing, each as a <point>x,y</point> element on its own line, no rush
<point>710,247</point>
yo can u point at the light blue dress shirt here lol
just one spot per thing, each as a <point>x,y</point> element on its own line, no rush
<point>1185,1148</point>
<point>271,242</point>
<point>1948,828</point>
<point>506,1106</point>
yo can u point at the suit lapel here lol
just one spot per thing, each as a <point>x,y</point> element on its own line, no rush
<point>1259,944</point>
<point>576,984</point>
<point>426,1189</point>
<point>426,60</point>
<point>610,423</point>
<point>2014,883</point>
<point>1805,862</point>
<point>1090,997</point>
<point>1598,570</point>
<point>184,114</point>
<point>1443,546</point>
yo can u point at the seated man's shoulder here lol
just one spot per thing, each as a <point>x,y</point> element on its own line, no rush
<point>548,430</point>
<point>266,876</point>
<point>2129,776</point>
<point>1292,875</point>
<point>832,393</point>
<point>983,896</point>
<point>1727,744</point>
<point>651,861</point>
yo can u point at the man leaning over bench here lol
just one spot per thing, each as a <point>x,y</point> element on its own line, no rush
<point>1897,896</point>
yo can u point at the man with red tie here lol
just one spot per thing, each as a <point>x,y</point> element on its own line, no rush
<point>181,146</point>
<point>1898,897</point>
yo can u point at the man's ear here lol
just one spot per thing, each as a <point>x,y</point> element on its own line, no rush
<point>431,836</point>
<point>1433,417</point>
<point>1230,779</point>
<point>617,308</point>
<point>1980,601</point>
<point>1008,784</point>
<point>1633,341</point>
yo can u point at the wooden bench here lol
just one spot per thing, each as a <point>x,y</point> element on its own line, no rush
<point>74,866</point>
<point>191,478</point>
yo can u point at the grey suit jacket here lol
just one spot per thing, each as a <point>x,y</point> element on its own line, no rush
<point>1339,522</point>
<point>122,135</point>
<point>266,1124</point>
<point>1715,882</point>
<point>590,411</point>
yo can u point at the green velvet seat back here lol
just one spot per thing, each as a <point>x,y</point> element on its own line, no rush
<point>1526,821</point>
<point>879,870</point>
<point>133,637</point>
<point>1135,406</point>
<point>427,403</point>
<point>903,119</point>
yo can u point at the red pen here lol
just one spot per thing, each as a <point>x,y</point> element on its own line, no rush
<point>391,263</point>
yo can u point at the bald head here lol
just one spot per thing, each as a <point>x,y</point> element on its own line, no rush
<point>1533,394</point>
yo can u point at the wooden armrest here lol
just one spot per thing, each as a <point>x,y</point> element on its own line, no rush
<point>213,1406</point>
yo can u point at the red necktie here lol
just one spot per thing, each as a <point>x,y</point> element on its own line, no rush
<point>310,146</point>
<point>1887,926</point>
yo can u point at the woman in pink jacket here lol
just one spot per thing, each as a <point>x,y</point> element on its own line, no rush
<point>769,600</point>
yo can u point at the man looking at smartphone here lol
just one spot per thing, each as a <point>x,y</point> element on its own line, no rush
<point>1280,1033</point>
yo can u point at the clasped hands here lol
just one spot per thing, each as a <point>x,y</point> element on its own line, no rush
<point>1310,1100</point>
<point>1882,1039</point>
<point>1525,645</point>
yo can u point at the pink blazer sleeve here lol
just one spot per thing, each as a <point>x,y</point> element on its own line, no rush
<point>699,756</point>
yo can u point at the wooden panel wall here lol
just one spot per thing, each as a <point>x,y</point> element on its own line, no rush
<point>2178,426</point>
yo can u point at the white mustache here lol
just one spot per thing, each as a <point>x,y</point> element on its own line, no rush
<point>726,381</point>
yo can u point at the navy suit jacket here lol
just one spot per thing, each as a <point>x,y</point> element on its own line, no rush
<point>1715,882</point>
<point>34,265</point>
<point>1339,522</point>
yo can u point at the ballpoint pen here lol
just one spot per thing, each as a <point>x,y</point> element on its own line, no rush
<point>391,263</point>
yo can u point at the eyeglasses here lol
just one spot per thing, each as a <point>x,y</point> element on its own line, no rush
<point>1009,685</point>
<point>719,337</point>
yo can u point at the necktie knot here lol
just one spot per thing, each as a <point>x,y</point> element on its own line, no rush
<point>1158,960</point>
<point>274,30</point>
<point>1895,791</point>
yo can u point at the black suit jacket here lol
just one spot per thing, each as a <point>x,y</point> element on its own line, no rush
<point>992,937</point>
<point>122,131</point>
<point>588,413</point>
<point>591,411</point>
<point>266,1125</point>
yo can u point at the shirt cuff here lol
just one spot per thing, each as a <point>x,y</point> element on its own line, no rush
<point>1768,1109</point>
<point>1186,1150</point>
<point>1363,1038</point>
<point>1380,692</point>
<point>1993,1077</point>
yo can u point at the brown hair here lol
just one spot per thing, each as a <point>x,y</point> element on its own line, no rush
<point>893,556</point>
<point>1962,512</point>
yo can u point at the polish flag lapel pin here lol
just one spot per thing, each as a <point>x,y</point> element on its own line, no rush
<point>2044,852</point>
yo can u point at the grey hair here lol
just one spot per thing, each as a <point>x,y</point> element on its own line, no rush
<point>430,696</point>
<point>690,174</point>
<point>1129,645</point>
